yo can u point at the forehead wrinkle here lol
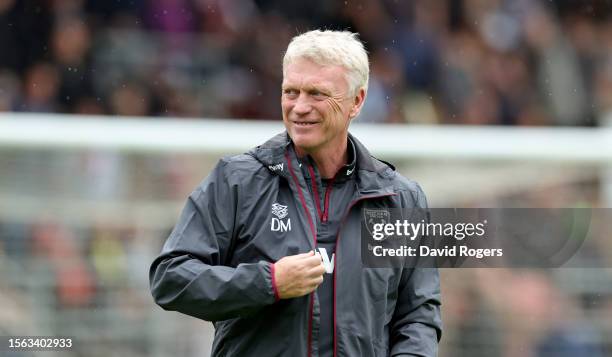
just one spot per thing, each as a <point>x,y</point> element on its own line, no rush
<point>301,70</point>
<point>305,84</point>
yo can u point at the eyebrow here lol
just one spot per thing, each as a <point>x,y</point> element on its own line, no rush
<point>321,88</point>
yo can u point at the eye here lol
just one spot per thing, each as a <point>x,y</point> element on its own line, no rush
<point>289,92</point>
<point>317,94</point>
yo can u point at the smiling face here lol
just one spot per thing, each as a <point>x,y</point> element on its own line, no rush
<point>317,106</point>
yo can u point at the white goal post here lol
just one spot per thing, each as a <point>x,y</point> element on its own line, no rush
<point>214,136</point>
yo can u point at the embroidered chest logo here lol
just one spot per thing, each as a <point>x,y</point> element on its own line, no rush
<point>277,224</point>
<point>372,217</point>
<point>277,167</point>
<point>279,210</point>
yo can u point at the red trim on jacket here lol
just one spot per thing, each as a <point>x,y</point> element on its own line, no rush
<point>274,287</point>
<point>314,236</point>
<point>302,199</point>
<point>323,215</point>
<point>315,191</point>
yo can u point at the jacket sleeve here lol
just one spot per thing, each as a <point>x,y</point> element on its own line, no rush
<point>189,275</point>
<point>416,327</point>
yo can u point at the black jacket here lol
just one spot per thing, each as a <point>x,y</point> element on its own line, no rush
<point>254,209</point>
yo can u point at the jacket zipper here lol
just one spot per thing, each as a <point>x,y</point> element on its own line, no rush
<point>323,216</point>
<point>337,250</point>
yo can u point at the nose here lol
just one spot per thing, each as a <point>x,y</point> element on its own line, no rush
<point>302,105</point>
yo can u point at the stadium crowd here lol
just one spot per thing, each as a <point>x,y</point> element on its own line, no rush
<point>512,62</point>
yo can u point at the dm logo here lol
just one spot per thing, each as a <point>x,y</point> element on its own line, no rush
<point>277,224</point>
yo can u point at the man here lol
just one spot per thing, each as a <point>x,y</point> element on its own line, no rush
<point>243,252</point>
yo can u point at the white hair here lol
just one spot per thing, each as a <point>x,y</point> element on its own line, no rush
<point>339,48</point>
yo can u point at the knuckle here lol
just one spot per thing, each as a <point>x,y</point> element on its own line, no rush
<point>314,259</point>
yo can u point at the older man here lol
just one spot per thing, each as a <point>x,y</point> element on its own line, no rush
<point>268,246</point>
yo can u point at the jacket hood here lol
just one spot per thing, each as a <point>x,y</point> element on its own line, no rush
<point>272,152</point>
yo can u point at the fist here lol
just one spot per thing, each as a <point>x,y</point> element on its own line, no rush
<point>298,275</point>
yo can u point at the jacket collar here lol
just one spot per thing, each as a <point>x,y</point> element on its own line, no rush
<point>346,172</point>
<point>373,176</point>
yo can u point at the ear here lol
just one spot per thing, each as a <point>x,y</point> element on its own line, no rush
<point>358,101</point>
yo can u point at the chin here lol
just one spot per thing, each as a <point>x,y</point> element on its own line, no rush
<point>304,141</point>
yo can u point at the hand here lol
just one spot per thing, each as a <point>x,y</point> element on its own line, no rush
<point>298,275</point>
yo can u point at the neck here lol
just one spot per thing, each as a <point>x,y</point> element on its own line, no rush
<point>328,160</point>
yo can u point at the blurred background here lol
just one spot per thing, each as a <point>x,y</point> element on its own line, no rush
<point>80,225</point>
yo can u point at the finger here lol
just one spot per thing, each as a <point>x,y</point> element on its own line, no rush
<point>308,290</point>
<point>316,271</point>
<point>313,261</point>
<point>313,284</point>
<point>303,255</point>
<point>296,256</point>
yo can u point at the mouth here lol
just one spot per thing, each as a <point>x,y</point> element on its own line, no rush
<point>304,123</point>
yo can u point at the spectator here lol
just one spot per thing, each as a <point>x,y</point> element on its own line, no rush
<point>471,62</point>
